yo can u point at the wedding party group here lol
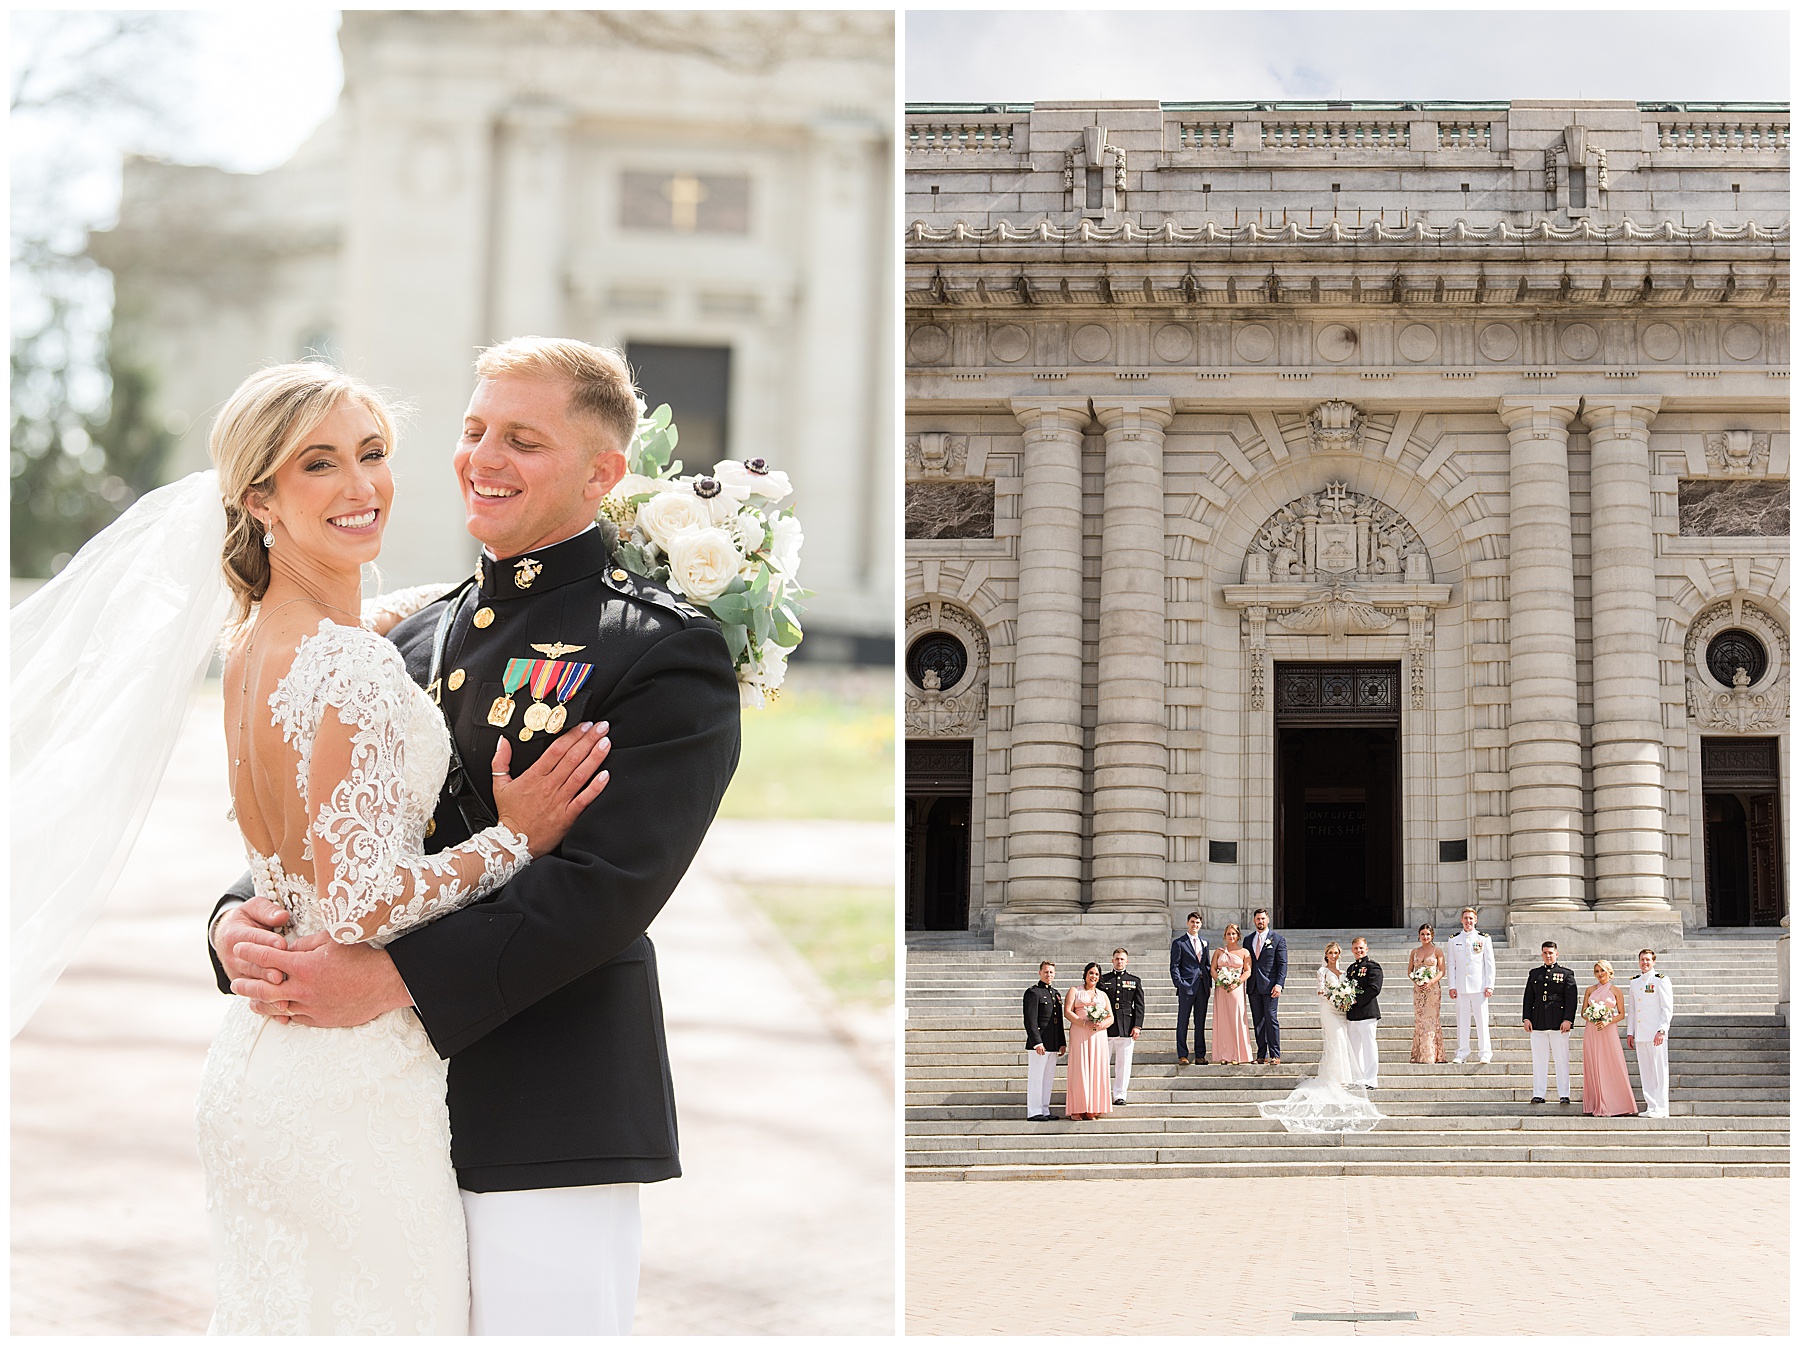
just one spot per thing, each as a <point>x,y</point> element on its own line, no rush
<point>443,1075</point>
<point>1098,1025</point>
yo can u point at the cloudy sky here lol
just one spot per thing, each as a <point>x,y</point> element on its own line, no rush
<point>1022,56</point>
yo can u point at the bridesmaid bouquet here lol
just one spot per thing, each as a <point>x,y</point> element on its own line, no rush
<point>1343,995</point>
<point>1228,979</point>
<point>1598,1014</point>
<point>718,540</point>
<point>1421,975</point>
<point>1097,1012</point>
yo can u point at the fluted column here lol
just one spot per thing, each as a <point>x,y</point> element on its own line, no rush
<point>1043,871</point>
<point>1131,809</point>
<point>1544,738</point>
<point>1629,868</point>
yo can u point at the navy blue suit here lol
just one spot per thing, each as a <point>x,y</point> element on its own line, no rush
<point>1193,987</point>
<point>1266,973</point>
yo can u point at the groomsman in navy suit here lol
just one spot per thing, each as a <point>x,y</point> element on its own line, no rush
<point>1188,959</point>
<point>1268,972</point>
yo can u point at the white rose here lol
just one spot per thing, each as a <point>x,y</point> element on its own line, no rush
<point>742,482</point>
<point>631,484</point>
<point>784,544</point>
<point>671,513</point>
<point>701,562</point>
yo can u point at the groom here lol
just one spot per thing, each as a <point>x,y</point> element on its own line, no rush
<point>1363,1016</point>
<point>543,996</point>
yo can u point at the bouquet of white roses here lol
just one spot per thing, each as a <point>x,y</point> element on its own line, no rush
<point>720,541</point>
<point>1227,978</point>
<point>1343,995</point>
<point>1422,975</point>
<point>1598,1013</point>
<point>1098,1011</point>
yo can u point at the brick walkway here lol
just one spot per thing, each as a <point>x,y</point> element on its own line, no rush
<point>981,1256</point>
<point>787,1132</point>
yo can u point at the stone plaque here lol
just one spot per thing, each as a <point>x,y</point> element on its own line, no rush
<point>1733,508</point>
<point>1009,343</point>
<point>1336,342</point>
<point>1417,341</point>
<point>1254,343</point>
<point>1498,341</point>
<point>949,509</point>
<point>1091,342</point>
<point>928,343</point>
<point>1174,344</point>
<point>1579,341</point>
<point>1660,341</point>
<point>1742,341</point>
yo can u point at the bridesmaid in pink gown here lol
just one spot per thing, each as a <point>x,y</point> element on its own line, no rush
<point>1231,1008</point>
<point>1088,1088</point>
<point>1605,1085</point>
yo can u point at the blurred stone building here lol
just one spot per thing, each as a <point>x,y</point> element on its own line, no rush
<point>710,192</point>
<point>1357,510</point>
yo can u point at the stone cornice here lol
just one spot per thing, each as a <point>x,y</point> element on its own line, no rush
<point>1458,231</point>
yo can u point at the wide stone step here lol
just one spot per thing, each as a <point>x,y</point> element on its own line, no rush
<point>1239,1154</point>
<point>1100,1138</point>
<point>1134,1120</point>
<point>926,1097</point>
<point>1327,1165</point>
<point>1014,1107</point>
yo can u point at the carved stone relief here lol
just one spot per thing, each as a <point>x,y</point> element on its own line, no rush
<point>1335,425</point>
<point>1755,701</point>
<point>1336,536</point>
<point>934,453</point>
<point>1737,453</point>
<point>934,710</point>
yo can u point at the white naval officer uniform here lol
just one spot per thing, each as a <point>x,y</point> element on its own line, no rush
<point>554,1261</point>
<point>1470,971</point>
<point>1649,1010</point>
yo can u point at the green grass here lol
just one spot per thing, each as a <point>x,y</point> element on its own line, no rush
<point>847,934</point>
<point>824,748</point>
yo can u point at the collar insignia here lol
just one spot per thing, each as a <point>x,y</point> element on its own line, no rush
<point>557,649</point>
<point>525,571</point>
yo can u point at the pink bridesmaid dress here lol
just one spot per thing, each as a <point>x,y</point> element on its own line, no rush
<point>1088,1087</point>
<point>1605,1085</point>
<point>1232,1040</point>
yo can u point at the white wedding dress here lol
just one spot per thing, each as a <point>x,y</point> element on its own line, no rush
<point>332,1198</point>
<point>1326,1101</point>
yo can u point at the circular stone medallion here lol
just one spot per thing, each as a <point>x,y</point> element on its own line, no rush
<point>1579,341</point>
<point>1336,342</point>
<point>1742,341</point>
<point>1009,343</point>
<point>1417,341</point>
<point>1497,341</point>
<point>1660,341</point>
<point>928,344</point>
<point>1091,342</point>
<point>1254,343</point>
<point>1174,343</point>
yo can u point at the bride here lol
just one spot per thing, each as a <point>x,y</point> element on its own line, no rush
<point>1327,1101</point>
<point>330,1190</point>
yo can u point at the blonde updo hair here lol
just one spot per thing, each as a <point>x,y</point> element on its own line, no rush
<point>1604,964</point>
<point>1233,925</point>
<point>1331,946</point>
<point>266,423</point>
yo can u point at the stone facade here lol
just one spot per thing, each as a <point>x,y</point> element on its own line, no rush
<point>716,180</point>
<point>1380,387</point>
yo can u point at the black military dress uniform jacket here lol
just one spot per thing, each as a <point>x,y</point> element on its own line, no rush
<point>1550,997</point>
<point>1366,972</point>
<point>1044,1018</point>
<point>544,995</point>
<point>1126,991</point>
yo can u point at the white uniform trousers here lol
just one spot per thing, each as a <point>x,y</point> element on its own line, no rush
<point>1122,1048</point>
<point>1472,1010</point>
<point>557,1261</point>
<point>1040,1081</point>
<point>1548,1045</point>
<point>1653,1073</point>
<point>1364,1063</point>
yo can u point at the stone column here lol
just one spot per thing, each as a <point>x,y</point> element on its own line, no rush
<point>530,247</point>
<point>1628,772</point>
<point>1043,872</point>
<point>1544,740</point>
<point>1131,810</point>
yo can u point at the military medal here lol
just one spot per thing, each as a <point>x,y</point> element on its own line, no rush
<point>501,712</point>
<point>567,684</point>
<point>537,714</point>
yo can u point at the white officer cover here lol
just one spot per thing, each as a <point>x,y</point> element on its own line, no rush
<point>104,660</point>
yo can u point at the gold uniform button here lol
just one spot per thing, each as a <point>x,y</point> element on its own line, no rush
<point>430,826</point>
<point>456,679</point>
<point>484,617</point>
<point>618,577</point>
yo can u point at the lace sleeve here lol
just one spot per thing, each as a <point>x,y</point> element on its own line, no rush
<point>373,879</point>
<point>384,612</point>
